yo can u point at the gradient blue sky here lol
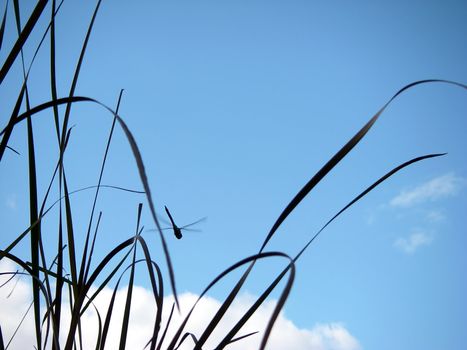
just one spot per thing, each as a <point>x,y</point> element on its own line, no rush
<point>235,105</point>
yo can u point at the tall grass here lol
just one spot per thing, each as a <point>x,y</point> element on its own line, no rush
<point>68,281</point>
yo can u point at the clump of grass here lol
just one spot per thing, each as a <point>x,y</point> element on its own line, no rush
<point>71,277</point>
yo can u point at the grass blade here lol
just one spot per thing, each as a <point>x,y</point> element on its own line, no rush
<point>232,268</point>
<point>33,200</point>
<point>126,312</point>
<point>77,72</point>
<point>2,345</point>
<point>268,291</point>
<point>2,26</point>
<point>22,38</point>
<point>340,155</point>
<point>139,162</point>
<point>85,269</point>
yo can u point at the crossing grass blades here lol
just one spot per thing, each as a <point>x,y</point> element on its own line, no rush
<point>84,280</point>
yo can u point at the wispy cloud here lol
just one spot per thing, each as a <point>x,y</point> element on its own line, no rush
<point>414,241</point>
<point>435,216</point>
<point>285,335</point>
<point>439,187</point>
<point>11,202</point>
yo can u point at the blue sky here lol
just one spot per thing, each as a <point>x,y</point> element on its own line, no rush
<point>235,105</point>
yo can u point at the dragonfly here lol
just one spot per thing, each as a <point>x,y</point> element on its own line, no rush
<point>178,230</point>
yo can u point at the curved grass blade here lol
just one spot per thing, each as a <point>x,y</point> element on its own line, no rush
<point>312,183</point>
<point>77,309</point>
<point>268,291</point>
<point>139,163</point>
<point>108,316</point>
<point>185,337</point>
<point>341,154</point>
<point>232,268</point>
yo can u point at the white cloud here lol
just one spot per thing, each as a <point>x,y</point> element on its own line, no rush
<point>439,187</point>
<point>411,243</point>
<point>285,335</point>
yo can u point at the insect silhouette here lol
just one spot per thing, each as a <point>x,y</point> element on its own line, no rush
<point>178,230</point>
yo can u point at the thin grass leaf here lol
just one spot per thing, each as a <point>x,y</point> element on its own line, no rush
<point>310,185</point>
<point>43,213</point>
<point>272,286</point>
<point>164,333</point>
<point>2,346</point>
<point>158,292</point>
<point>185,337</point>
<point>110,308</point>
<point>22,38</point>
<point>11,122</point>
<point>33,200</point>
<point>139,162</point>
<point>29,272</point>
<point>13,150</point>
<point>243,337</point>
<point>341,154</point>
<point>88,264</point>
<point>71,241</point>
<point>77,72</point>
<point>108,316</point>
<point>280,304</point>
<point>126,311</point>
<point>2,26</point>
<point>77,308</point>
<point>53,74</point>
<point>210,328</point>
<point>13,275</point>
<point>84,268</point>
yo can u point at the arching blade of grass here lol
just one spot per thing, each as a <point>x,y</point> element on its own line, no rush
<point>22,38</point>
<point>272,286</point>
<point>186,336</point>
<point>77,309</point>
<point>139,162</point>
<point>341,154</point>
<point>308,187</point>
<point>248,260</point>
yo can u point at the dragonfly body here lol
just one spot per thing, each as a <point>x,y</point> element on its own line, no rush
<point>175,228</point>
